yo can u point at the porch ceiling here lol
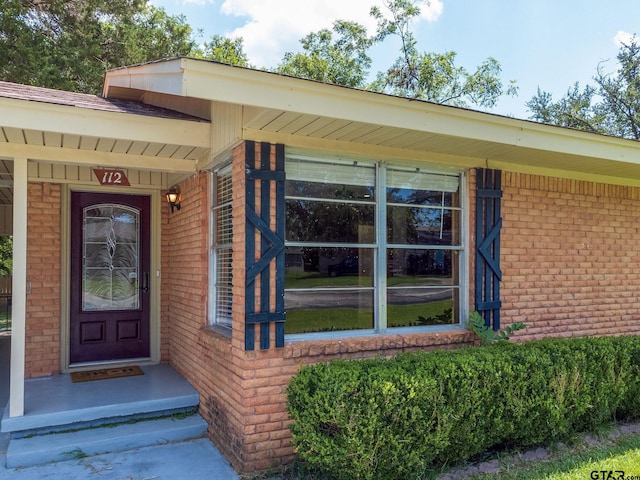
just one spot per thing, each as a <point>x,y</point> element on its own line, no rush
<point>77,129</point>
<point>304,113</point>
<point>599,155</point>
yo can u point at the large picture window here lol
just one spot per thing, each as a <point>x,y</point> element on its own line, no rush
<point>370,246</point>
<point>221,299</point>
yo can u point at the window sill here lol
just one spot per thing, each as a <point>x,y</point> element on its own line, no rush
<point>347,334</point>
<point>373,344</point>
<point>220,329</point>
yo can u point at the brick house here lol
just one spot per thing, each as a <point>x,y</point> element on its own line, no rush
<point>312,222</point>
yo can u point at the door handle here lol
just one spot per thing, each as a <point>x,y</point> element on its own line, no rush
<point>145,282</point>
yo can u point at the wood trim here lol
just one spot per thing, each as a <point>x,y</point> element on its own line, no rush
<point>266,257</point>
<point>487,261</point>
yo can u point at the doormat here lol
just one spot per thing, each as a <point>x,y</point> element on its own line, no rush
<point>105,374</point>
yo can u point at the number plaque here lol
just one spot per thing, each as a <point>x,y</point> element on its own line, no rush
<point>111,177</point>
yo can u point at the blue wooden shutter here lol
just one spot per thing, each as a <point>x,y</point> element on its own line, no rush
<point>488,224</point>
<point>259,258</point>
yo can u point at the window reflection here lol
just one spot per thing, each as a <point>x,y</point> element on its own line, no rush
<point>332,241</point>
<point>420,197</point>
<point>422,287</point>
<point>421,306</point>
<point>328,289</point>
<point>324,311</point>
<point>333,191</point>
<point>422,226</point>
<point>309,267</point>
<point>317,221</point>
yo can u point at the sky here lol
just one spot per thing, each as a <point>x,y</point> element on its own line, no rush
<point>546,44</point>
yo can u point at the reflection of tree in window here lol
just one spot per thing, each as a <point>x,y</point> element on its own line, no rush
<point>330,221</point>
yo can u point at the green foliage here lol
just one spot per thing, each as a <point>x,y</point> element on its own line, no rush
<point>397,418</point>
<point>69,44</point>
<point>6,255</point>
<point>224,50</point>
<point>432,76</point>
<point>342,60</point>
<point>487,334</point>
<point>340,56</point>
<point>611,107</point>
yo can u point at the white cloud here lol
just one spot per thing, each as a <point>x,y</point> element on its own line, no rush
<point>276,26</point>
<point>623,37</point>
<point>431,12</point>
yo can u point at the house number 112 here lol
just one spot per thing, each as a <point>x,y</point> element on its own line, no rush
<point>111,177</point>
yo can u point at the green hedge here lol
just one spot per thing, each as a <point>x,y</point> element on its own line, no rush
<point>396,418</point>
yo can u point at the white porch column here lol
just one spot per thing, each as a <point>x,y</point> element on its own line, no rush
<point>19,298</point>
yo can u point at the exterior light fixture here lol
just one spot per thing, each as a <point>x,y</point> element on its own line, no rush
<point>173,197</point>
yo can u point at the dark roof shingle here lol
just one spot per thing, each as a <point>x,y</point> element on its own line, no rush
<point>82,100</point>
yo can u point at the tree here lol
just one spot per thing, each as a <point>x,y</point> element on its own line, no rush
<point>340,56</point>
<point>224,50</point>
<point>342,60</point>
<point>610,107</point>
<point>6,255</point>
<point>432,76</point>
<point>68,44</point>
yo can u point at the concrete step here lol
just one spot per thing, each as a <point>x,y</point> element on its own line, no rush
<point>55,402</point>
<point>55,447</point>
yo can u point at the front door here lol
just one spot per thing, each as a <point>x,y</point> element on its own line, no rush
<point>110,262</point>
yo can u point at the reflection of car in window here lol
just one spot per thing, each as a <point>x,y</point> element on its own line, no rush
<point>348,266</point>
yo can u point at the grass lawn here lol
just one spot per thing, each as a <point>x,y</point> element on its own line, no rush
<point>5,320</point>
<point>601,457</point>
<point>328,319</point>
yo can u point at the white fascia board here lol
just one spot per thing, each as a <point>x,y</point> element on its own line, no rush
<point>573,142</point>
<point>68,120</point>
<point>162,76</point>
<point>267,90</point>
<point>242,86</point>
<point>69,156</point>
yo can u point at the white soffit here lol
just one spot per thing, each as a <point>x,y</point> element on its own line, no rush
<point>72,135</point>
<point>286,106</point>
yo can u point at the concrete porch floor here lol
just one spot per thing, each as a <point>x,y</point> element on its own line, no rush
<point>56,401</point>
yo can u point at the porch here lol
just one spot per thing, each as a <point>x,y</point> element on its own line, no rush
<point>74,410</point>
<point>55,402</point>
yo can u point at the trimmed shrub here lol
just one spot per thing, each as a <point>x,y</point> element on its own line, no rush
<point>395,418</point>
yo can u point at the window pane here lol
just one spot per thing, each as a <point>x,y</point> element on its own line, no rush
<point>333,191</point>
<point>415,179</point>
<point>316,221</point>
<point>423,226</point>
<point>105,289</point>
<point>224,225</point>
<point>421,267</point>
<point>224,286</point>
<point>110,258</point>
<point>328,267</point>
<point>420,197</point>
<point>221,262</point>
<point>325,311</point>
<point>410,307</point>
<point>306,174</point>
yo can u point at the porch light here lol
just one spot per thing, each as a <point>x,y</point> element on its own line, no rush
<point>173,197</point>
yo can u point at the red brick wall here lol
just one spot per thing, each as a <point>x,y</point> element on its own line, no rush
<point>43,272</point>
<point>242,393</point>
<point>570,257</point>
<point>201,355</point>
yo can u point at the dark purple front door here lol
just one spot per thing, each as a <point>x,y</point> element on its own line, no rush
<point>110,278</point>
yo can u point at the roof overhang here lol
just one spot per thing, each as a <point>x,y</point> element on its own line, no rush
<point>73,135</point>
<point>283,109</point>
